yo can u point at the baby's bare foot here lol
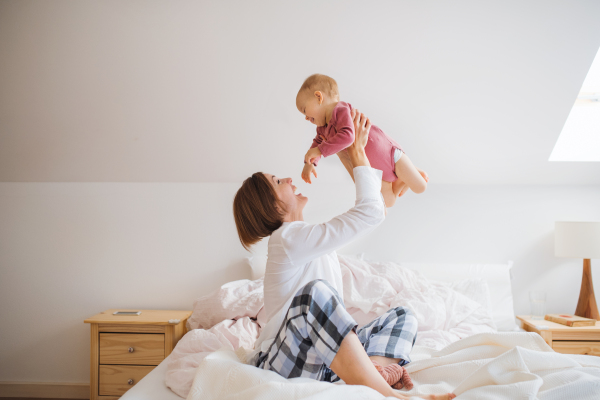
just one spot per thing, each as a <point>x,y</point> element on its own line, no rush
<point>403,380</point>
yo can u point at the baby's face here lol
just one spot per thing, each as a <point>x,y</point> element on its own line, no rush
<point>313,110</point>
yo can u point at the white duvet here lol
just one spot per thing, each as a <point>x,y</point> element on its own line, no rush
<point>231,317</point>
<point>485,366</point>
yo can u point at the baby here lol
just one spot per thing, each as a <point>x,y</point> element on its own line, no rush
<point>318,99</point>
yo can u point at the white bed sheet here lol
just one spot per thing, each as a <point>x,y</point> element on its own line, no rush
<point>152,386</point>
<point>491,366</point>
<point>498,366</point>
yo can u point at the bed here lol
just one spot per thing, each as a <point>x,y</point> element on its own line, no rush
<point>152,386</point>
<point>482,358</point>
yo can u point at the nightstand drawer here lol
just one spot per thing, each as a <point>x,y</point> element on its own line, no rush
<point>126,348</point>
<point>132,348</point>
<point>579,347</point>
<point>114,380</point>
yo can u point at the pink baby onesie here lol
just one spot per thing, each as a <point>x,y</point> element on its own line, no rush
<point>339,134</point>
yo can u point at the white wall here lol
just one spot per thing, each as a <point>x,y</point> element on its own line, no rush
<point>164,91</point>
<point>70,250</point>
<point>203,91</point>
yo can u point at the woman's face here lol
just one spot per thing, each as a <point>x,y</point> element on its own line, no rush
<point>294,203</point>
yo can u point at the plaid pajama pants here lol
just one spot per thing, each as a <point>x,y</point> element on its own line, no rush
<point>315,325</point>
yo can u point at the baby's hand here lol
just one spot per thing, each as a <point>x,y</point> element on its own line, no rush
<point>308,169</point>
<point>311,155</point>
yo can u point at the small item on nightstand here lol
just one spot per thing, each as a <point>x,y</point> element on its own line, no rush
<point>538,304</point>
<point>570,320</point>
<point>174,321</point>
<point>127,313</point>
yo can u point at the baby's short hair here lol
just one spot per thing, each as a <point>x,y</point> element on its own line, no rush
<point>321,82</point>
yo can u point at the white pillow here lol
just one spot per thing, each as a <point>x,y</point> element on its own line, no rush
<point>497,277</point>
<point>475,289</point>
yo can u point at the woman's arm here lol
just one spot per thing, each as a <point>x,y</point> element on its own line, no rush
<point>305,242</point>
<point>356,150</point>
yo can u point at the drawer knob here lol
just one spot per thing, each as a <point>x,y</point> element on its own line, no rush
<point>131,349</point>
<point>130,381</point>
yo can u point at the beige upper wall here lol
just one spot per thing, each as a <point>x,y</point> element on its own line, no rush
<point>203,91</point>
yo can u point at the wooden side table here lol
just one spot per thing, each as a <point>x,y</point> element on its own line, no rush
<point>565,339</point>
<point>124,349</point>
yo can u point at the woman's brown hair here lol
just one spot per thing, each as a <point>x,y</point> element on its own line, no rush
<point>257,210</point>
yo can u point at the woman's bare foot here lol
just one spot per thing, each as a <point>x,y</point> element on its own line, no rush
<point>447,396</point>
<point>403,381</point>
<point>352,364</point>
<point>394,375</point>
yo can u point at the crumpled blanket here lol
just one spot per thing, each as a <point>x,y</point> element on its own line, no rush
<point>499,366</point>
<point>231,317</point>
<point>233,300</point>
<point>446,312</point>
<point>196,344</point>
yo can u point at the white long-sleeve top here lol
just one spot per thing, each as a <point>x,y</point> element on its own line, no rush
<point>300,252</point>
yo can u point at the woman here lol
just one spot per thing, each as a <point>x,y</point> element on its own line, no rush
<point>309,333</point>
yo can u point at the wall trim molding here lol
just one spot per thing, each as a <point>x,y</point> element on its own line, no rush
<point>48,390</point>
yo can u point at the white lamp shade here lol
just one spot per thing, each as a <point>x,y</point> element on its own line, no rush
<point>577,239</point>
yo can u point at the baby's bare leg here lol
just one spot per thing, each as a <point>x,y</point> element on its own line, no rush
<point>345,159</point>
<point>399,187</point>
<point>388,194</point>
<point>408,173</point>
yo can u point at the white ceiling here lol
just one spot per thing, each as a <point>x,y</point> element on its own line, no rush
<point>476,92</point>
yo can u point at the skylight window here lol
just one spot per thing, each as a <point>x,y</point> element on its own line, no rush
<point>580,137</point>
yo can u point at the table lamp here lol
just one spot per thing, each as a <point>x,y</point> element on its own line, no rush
<point>580,240</point>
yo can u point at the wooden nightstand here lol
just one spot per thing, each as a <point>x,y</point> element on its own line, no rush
<point>126,348</point>
<point>565,339</point>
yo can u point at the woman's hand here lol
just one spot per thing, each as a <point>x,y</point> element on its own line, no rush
<point>362,125</point>
<point>356,150</point>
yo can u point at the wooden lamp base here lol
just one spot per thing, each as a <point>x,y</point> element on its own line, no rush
<point>586,306</point>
